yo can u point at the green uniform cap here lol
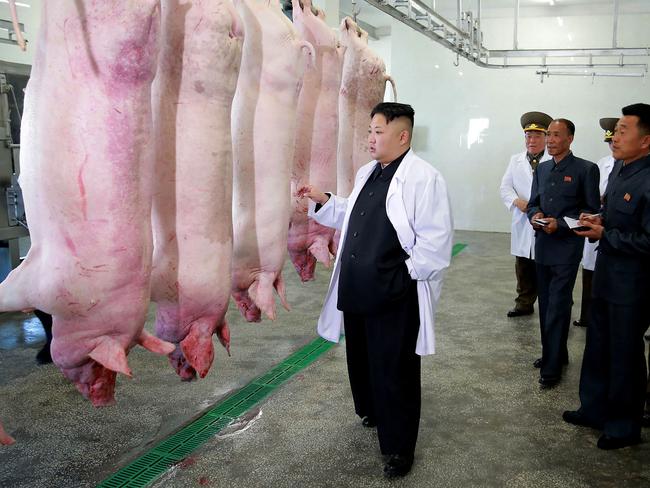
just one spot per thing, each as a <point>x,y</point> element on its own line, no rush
<point>608,124</point>
<point>537,121</point>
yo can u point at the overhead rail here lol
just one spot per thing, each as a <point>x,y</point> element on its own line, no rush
<point>465,39</point>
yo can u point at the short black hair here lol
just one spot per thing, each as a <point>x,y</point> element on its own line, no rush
<point>569,125</point>
<point>641,110</point>
<point>393,110</point>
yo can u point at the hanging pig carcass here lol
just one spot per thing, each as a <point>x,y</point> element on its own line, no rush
<point>86,182</point>
<point>363,84</point>
<point>316,139</point>
<point>263,129</point>
<point>192,200</point>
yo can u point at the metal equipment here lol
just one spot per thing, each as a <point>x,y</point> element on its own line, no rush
<point>12,211</point>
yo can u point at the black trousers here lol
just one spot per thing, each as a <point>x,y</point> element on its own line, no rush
<point>613,376</point>
<point>555,287</point>
<point>46,320</point>
<point>585,303</point>
<point>384,371</point>
<point>526,283</point>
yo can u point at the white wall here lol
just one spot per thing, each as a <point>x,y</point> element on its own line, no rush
<point>31,18</point>
<point>467,118</point>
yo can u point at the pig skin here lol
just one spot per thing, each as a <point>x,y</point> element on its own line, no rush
<point>86,184</point>
<point>192,198</point>
<point>363,84</point>
<point>5,439</point>
<point>316,140</point>
<point>263,128</point>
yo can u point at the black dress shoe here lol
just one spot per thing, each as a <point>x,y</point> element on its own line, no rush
<point>43,356</point>
<point>645,420</point>
<point>608,443</point>
<point>398,465</point>
<point>576,418</point>
<point>548,381</point>
<point>368,422</point>
<point>518,312</point>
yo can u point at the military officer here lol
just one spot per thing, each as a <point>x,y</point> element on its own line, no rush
<point>613,376</point>
<point>515,193</point>
<point>605,165</point>
<point>564,186</point>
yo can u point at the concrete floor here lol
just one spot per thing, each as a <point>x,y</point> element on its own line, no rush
<point>485,422</point>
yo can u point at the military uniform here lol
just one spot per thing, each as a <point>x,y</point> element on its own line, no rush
<point>613,377</point>
<point>566,188</point>
<point>605,166</point>
<point>516,183</point>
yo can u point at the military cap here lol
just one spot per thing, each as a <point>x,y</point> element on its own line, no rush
<point>608,124</point>
<point>538,121</point>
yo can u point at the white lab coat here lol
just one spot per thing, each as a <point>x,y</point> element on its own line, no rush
<point>516,183</point>
<point>418,207</point>
<point>605,166</point>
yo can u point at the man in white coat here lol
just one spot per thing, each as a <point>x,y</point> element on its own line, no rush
<point>515,193</point>
<point>605,165</point>
<point>396,239</point>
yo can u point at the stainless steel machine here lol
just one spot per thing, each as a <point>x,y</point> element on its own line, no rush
<point>13,79</point>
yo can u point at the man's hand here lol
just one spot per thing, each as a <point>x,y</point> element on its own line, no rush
<point>592,218</point>
<point>551,227</point>
<point>521,204</point>
<point>595,231</point>
<point>538,215</point>
<point>313,193</point>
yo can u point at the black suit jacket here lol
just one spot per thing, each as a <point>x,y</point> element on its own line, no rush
<point>622,273</point>
<point>564,189</point>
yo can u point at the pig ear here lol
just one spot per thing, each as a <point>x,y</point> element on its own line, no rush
<point>153,344</point>
<point>310,52</point>
<point>110,354</point>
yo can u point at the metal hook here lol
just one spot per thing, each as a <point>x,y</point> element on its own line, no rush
<point>457,62</point>
<point>355,10</point>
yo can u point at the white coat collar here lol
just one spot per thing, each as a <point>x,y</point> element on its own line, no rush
<point>399,174</point>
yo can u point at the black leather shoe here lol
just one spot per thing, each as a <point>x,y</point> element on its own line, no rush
<point>43,356</point>
<point>576,418</point>
<point>608,443</point>
<point>578,323</point>
<point>548,381</point>
<point>398,465</point>
<point>645,420</point>
<point>368,422</point>
<point>518,312</point>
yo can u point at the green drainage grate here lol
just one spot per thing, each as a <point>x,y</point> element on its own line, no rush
<point>147,468</point>
<point>458,248</point>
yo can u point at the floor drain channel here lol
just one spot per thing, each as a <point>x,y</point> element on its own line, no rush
<point>149,467</point>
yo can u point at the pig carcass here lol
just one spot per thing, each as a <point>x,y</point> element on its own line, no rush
<point>192,198</point>
<point>86,182</point>
<point>5,439</point>
<point>263,128</point>
<point>316,135</point>
<point>363,84</point>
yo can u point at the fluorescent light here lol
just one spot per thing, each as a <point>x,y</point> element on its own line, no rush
<point>18,4</point>
<point>437,66</point>
<point>551,2</point>
<point>560,21</point>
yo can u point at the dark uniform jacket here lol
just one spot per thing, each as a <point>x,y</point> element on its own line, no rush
<point>564,189</point>
<point>622,273</point>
